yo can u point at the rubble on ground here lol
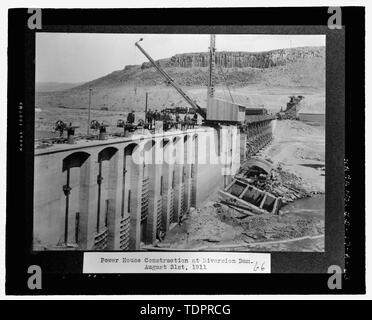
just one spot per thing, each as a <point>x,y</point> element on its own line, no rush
<point>272,227</point>
<point>218,224</point>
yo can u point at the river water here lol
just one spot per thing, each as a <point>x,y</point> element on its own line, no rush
<point>305,207</point>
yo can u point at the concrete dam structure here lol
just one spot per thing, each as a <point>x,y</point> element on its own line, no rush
<point>124,192</point>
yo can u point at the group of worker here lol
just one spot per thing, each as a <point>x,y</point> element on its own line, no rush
<point>170,120</point>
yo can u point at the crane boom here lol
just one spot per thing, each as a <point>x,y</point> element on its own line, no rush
<point>193,104</point>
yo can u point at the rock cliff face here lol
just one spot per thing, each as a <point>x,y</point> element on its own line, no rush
<point>225,59</point>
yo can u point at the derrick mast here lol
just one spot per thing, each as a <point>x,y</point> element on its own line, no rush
<point>212,65</point>
<point>171,82</point>
<point>211,73</point>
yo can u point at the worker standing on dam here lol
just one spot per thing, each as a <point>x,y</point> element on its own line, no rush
<point>186,121</point>
<point>178,120</point>
<point>131,117</point>
<point>194,120</point>
<point>149,118</point>
<point>165,117</point>
<point>173,121</point>
<point>156,115</point>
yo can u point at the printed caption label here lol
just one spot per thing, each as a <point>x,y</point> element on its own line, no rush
<point>176,262</point>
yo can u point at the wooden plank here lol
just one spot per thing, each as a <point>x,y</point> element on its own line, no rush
<point>230,185</point>
<point>243,203</point>
<point>255,188</point>
<point>275,208</point>
<point>263,200</point>
<point>246,211</point>
<point>244,191</point>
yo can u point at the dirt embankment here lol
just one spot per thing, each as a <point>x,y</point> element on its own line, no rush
<point>299,148</point>
<point>216,226</point>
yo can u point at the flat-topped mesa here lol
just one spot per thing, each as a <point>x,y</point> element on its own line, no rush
<point>241,59</point>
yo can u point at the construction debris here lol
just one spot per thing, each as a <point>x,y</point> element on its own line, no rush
<point>221,225</point>
<point>259,188</point>
<point>293,107</point>
<point>247,197</point>
<point>276,181</point>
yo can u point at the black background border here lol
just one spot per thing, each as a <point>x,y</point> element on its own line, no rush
<point>292,272</point>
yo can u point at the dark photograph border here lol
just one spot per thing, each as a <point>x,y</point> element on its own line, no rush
<point>292,272</point>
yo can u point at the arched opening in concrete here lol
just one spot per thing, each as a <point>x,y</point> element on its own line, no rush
<point>194,169</point>
<point>130,232</point>
<point>178,180</point>
<point>148,192</point>
<point>186,174</point>
<point>75,168</point>
<point>106,198</point>
<point>167,184</point>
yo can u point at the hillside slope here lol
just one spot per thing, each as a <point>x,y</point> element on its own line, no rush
<point>54,86</point>
<point>296,69</point>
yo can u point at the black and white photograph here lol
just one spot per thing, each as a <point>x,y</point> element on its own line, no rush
<point>185,151</point>
<point>179,141</point>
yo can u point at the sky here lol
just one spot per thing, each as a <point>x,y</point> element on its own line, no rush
<point>81,57</point>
